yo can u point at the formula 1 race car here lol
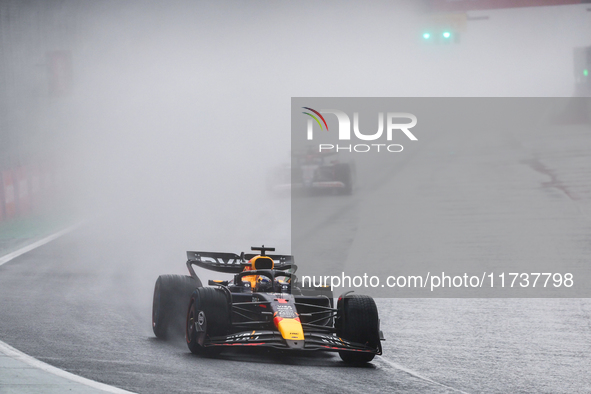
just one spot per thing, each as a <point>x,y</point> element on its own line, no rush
<point>311,172</point>
<point>263,306</point>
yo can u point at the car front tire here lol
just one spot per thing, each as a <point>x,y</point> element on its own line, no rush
<point>357,321</point>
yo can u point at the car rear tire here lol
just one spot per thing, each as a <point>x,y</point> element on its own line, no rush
<point>357,321</point>
<point>169,305</point>
<point>208,315</point>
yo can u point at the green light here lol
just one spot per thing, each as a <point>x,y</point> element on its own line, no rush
<point>446,34</point>
<point>426,36</point>
<point>585,72</point>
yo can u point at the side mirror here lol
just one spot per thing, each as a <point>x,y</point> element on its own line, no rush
<point>218,282</point>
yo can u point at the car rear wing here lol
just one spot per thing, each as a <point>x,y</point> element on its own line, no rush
<point>232,263</point>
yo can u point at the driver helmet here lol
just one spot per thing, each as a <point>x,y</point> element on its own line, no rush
<point>264,284</point>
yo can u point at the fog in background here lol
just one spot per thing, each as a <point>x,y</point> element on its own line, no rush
<point>178,109</point>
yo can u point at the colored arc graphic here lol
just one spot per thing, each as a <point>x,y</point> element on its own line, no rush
<point>317,113</point>
<point>315,118</point>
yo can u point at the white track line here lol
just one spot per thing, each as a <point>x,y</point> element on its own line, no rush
<point>20,356</point>
<point>416,374</point>
<point>10,256</point>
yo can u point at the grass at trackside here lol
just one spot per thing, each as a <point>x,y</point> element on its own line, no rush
<point>16,233</point>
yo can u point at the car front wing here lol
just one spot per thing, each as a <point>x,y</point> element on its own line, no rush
<point>268,338</point>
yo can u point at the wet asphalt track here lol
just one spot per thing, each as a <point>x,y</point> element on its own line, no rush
<point>80,314</point>
<point>82,303</point>
<point>83,317</point>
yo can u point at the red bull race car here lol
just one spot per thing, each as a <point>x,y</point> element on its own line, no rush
<point>262,306</point>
